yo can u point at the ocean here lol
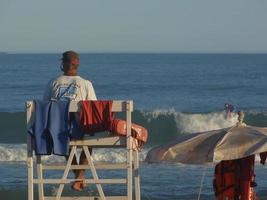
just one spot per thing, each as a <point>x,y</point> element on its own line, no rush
<point>173,94</point>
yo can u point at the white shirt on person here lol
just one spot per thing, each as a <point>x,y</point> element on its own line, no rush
<point>73,88</point>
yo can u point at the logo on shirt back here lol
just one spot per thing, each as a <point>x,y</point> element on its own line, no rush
<point>67,92</point>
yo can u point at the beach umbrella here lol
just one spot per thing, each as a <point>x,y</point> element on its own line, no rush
<point>230,143</point>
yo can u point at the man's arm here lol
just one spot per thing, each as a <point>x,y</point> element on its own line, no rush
<point>91,92</point>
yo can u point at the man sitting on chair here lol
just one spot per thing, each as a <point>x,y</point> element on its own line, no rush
<point>68,87</point>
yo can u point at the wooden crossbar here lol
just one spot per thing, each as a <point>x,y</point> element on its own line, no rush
<point>131,166</point>
<point>117,106</point>
<point>89,198</point>
<point>91,181</point>
<point>97,166</point>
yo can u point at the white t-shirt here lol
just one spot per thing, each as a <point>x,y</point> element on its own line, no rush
<point>69,88</point>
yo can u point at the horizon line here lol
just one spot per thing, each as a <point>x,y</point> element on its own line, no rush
<point>130,52</point>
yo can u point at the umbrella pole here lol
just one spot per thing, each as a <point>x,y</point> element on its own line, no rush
<point>201,183</point>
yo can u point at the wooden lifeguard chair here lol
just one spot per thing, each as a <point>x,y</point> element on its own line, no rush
<point>131,166</point>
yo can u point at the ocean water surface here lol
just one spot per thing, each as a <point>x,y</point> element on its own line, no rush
<point>173,94</point>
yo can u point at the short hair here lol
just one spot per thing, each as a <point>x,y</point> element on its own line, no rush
<point>70,58</point>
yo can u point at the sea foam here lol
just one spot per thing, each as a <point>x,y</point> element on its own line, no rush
<point>18,153</point>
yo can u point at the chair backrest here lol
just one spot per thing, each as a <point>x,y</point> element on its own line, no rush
<point>117,106</point>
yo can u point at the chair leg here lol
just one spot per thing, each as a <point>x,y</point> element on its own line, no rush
<point>40,178</point>
<point>130,174</point>
<point>30,178</point>
<point>66,172</point>
<point>136,175</point>
<point>29,152</point>
<point>30,165</point>
<point>93,170</point>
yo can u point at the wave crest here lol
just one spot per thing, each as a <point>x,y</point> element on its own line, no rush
<point>162,125</point>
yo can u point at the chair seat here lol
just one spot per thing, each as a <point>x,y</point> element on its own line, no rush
<point>98,141</point>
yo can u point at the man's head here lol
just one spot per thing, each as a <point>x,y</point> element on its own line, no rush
<point>70,61</point>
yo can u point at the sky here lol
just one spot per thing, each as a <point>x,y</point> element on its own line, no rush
<point>155,26</point>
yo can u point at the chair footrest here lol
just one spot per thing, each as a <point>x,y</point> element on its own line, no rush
<point>89,181</point>
<point>88,198</point>
<point>97,166</point>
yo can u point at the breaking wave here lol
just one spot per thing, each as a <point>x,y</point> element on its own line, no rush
<point>163,126</point>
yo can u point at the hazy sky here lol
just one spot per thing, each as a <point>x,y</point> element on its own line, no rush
<point>133,25</point>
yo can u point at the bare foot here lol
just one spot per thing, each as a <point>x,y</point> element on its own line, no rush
<point>77,185</point>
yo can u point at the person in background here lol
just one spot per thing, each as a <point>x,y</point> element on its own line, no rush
<point>229,109</point>
<point>71,87</point>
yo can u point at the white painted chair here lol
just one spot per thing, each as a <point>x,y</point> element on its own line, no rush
<point>131,166</point>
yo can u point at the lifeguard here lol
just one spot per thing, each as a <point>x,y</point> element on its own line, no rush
<point>71,87</point>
